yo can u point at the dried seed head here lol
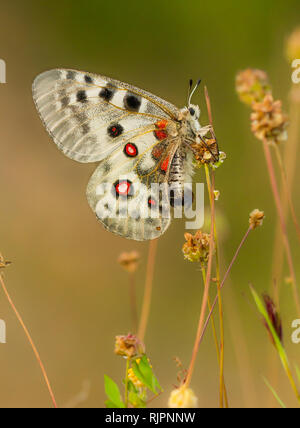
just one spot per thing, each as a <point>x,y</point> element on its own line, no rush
<point>128,346</point>
<point>252,85</point>
<point>206,154</point>
<point>274,318</point>
<point>268,122</point>
<point>293,45</point>
<point>129,261</point>
<point>256,218</point>
<point>183,398</point>
<point>196,247</point>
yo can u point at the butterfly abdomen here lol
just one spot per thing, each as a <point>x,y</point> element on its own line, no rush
<point>177,177</point>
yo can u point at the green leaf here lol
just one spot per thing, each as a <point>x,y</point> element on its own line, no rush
<point>275,394</point>
<point>113,394</point>
<point>136,401</point>
<point>144,373</point>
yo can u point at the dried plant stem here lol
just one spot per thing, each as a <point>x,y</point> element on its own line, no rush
<point>214,334</point>
<point>30,340</point>
<point>282,221</point>
<point>290,161</point>
<point>133,306</point>
<point>286,189</point>
<point>126,381</point>
<point>221,360</point>
<point>148,289</point>
<point>224,280</point>
<point>205,294</point>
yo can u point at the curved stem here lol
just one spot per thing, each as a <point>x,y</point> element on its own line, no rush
<point>37,355</point>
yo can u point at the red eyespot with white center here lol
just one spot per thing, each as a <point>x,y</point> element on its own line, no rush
<point>161,132</point>
<point>131,150</point>
<point>123,188</point>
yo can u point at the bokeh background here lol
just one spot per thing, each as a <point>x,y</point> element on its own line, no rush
<point>65,279</point>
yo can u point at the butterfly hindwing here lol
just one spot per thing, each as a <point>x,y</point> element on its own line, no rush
<point>121,191</point>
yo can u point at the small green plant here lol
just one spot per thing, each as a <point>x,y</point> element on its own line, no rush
<point>139,377</point>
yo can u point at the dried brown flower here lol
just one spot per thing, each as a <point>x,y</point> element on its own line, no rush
<point>252,85</point>
<point>293,45</point>
<point>196,247</point>
<point>128,346</point>
<point>3,262</point>
<point>274,318</point>
<point>268,122</point>
<point>129,261</point>
<point>256,218</point>
<point>206,154</point>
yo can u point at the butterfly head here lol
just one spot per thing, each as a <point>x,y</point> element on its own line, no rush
<point>194,111</point>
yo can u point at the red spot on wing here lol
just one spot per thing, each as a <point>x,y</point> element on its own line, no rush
<point>123,188</point>
<point>131,150</point>
<point>157,152</point>
<point>161,133</point>
<point>161,124</point>
<point>151,202</point>
<point>165,163</point>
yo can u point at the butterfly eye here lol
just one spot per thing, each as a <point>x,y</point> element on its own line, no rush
<point>192,111</point>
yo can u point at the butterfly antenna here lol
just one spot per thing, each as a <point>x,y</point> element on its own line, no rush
<point>193,91</point>
<point>189,90</point>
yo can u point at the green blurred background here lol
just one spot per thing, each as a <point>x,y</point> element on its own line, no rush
<point>65,279</point>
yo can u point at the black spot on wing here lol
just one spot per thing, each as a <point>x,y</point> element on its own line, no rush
<point>132,102</point>
<point>115,130</point>
<point>81,96</point>
<point>88,79</point>
<point>107,93</point>
<point>71,75</point>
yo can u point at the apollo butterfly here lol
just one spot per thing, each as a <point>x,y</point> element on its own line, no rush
<point>138,139</point>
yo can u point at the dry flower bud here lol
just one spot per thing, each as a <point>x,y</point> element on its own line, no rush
<point>252,85</point>
<point>256,218</point>
<point>274,318</point>
<point>183,398</point>
<point>196,249</point>
<point>293,45</point>
<point>4,263</point>
<point>129,261</point>
<point>268,122</point>
<point>128,346</point>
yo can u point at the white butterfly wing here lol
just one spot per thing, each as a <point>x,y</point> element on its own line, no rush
<point>79,108</point>
<point>95,118</point>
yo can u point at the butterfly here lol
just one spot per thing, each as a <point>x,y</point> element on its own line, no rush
<point>139,140</point>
